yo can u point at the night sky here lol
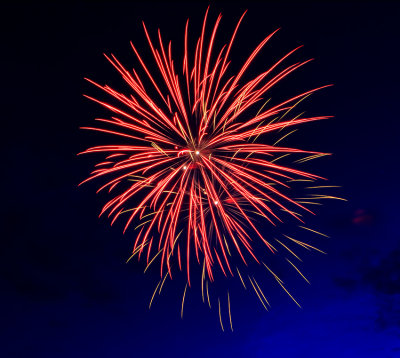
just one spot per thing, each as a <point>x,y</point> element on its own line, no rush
<point>66,290</point>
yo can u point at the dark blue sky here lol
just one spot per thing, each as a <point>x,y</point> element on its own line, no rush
<point>66,290</point>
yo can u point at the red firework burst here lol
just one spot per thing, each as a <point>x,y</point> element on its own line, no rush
<point>196,168</point>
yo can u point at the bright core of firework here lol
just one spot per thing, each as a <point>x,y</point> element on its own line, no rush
<point>194,173</point>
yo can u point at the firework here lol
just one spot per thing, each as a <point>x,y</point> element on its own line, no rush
<point>194,173</point>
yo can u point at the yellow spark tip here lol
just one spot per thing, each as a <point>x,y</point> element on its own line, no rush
<point>220,319</point>
<point>183,300</point>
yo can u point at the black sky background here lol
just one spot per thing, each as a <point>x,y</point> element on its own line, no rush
<point>66,290</point>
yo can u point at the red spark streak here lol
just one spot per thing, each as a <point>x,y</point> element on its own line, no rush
<point>198,166</point>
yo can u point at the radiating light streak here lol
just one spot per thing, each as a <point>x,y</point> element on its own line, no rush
<point>298,258</point>
<point>219,313</point>
<point>208,295</point>
<point>183,299</point>
<point>305,245</point>
<point>258,295</point>
<point>300,273</point>
<point>162,283</point>
<point>229,311</point>
<point>154,293</point>
<point>261,292</point>
<point>314,231</point>
<point>241,279</point>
